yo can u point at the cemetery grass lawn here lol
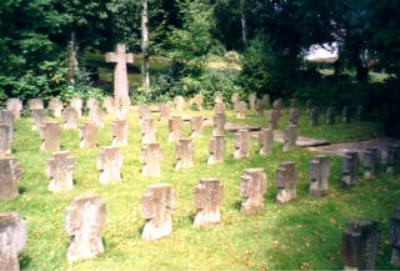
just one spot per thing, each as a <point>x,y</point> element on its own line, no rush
<point>304,234</point>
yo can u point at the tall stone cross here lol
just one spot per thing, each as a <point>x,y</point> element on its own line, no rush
<point>121,88</point>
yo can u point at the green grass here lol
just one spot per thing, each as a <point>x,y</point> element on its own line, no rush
<point>304,234</point>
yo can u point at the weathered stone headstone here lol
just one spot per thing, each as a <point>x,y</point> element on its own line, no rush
<point>219,121</point>
<point>242,144</point>
<point>60,169</point>
<point>10,174</point>
<point>149,129</point>
<point>393,160</point>
<point>51,135</point>
<point>70,118</point>
<point>122,112</point>
<point>175,124</point>
<point>218,98</point>
<point>359,113</point>
<point>119,129</point>
<point>350,168</point>
<point>158,204</point>
<point>345,115</point>
<point>395,237</point>
<point>199,101</point>
<point>319,175</point>
<point>290,137</point>
<point>360,243</point>
<point>92,103</point>
<point>273,118</point>
<point>293,113</point>
<point>241,110</point>
<point>196,126</point>
<point>38,116</point>
<point>309,105</point>
<point>121,84</point>
<point>6,117</point>
<point>253,186</point>
<point>13,240</point>
<point>180,103</point>
<point>371,162</point>
<point>15,106</point>
<point>56,106</point>
<point>165,112</point>
<point>6,138</point>
<point>330,115</point>
<point>208,196</point>
<point>144,111</point>
<point>259,108</point>
<point>109,162</point>
<point>151,158</point>
<point>216,149</point>
<point>184,154</point>
<point>265,139</point>
<point>96,116</point>
<point>87,135</point>
<point>278,104</point>
<point>77,104</point>
<point>109,105</point>
<point>286,182</point>
<point>219,108</point>
<point>85,218</point>
<point>265,100</point>
<point>235,100</point>
<point>35,104</point>
<point>252,101</point>
<point>314,116</point>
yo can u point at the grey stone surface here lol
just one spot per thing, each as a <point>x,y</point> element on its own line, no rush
<point>219,108</point>
<point>85,219</point>
<point>119,130</point>
<point>216,149</point>
<point>15,106</point>
<point>149,130</point>
<point>219,121</point>
<point>395,237</point>
<point>165,112</point>
<point>393,160</point>
<point>6,138</point>
<point>252,101</point>
<point>241,110</point>
<point>70,118</point>
<point>371,163</point>
<point>77,104</point>
<point>35,104</point>
<point>184,154</point>
<point>109,162</point>
<point>158,205</point>
<point>196,126</point>
<point>7,117</point>
<point>175,124</point>
<point>290,137</point>
<point>180,103</point>
<point>151,158</point>
<point>286,182</point>
<point>38,116</point>
<point>10,175</point>
<point>208,197</point>
<point>96,115</point>
<point>314,116</point>
<point>350,169</point>
<point>253,186</point>
<point>56,106</point>
<point>60,169</point>
<point>242,145</point>
<point>330,115</point>
<point>319,175</point>
<point>265,140</point>
<point>88,134</point>
<point>51,136</point>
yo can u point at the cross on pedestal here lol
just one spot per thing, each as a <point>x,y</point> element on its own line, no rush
<point>121,58</point>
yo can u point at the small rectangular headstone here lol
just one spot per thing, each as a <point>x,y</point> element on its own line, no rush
<point>10,175</point>
<point>273,119</point>
<point>175,124</point>
<point>234,100</point>
<point>196,126</point>
<point>149,130</point>
<point>242,144</point>
<point>38,116</point>
<point>110,105</point>
<point>6,138</point>
<point>314,116</point>
<point>35,104</point>
<point>293,113</point>
<point>56,106</point>
<point>265,139</point>
<point>208,197</point>
<point>218,98</point>
<point>319,175</point>
<point>252,101</point>
<point>165,112</point>
<point>199,101</point>
<point>216,149</point>
<point>119,129</point>
<point>51,136</point>
<point>15,106</point>
<point>219,121</point>
<point>6,117</point>
<point>92,103</point>
<point>144,111</point>
<point>393,160</point>
<point>158,204</point>
<point>77,104</point>
<point>290,136</point>
<point>60,169</point>
<point>241,110</point>
<point>350,169</point>
<point>253,186</point>
<point>70,118</point>
<point>219,108</point>
<point>371,162</point>
<point>180,103</point>
<point>151,158</point>
<point>286,182</point>
<point>184,154</point>
<point>96,115</point>
<point>85,219</point>
<point>109,162</point>
<point>87,134</point>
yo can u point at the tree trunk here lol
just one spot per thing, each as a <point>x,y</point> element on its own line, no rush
<point>73,58</point>
<point>243,22</point>
<point>145,46</point>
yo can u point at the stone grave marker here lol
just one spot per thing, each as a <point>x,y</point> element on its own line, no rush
<point>51,136</point>
<point>165,112</point>
<point>265,100</point>
<point>253,186</point>
<point>345,115</point>
<point>158,204</point>
<point>6,117</point>
<point>242,144</point>
<point>360,242</point>
<point>151,158</point>
<point>109,162</point>
<point>180,103</point>
<point>359,113</point>
<point>286,182</point>
<point>199,101</point>
<point>60,169</point>
<point>330,115</point>
<point>121,83</point>
<point>319,175</point>
<point>371,163</point>
<point>96,116</point>
<point>70,118</point>
<point>259,110</point>
<point>219,121</point>
<point>395,237</point>
<point>273,119</point>
<point>122,112</point>
<point>13,240</point>
<point>6,138</point>
<point>149,129</point>
<point>309,105</point>
<point>235,100</point>
<point>184,154</point>
<point>196,126</point>
<point>56,106</point>
<point>265,139</point>
<point>218,98</point>
<point>277,105</point>
<point>10,175</point>
<point>38,116</point>
<point>144,111</point>
<point>87,134</point>
<point>216,149</point>
<point>119,130</point>
<point>77,104</point>
<point>15,106</point>
<point>393,160</point>
<point>175,124</point>
<point>290,137</point>
<point>85,218</point>
<point>35,104</point>
<point>314,116</point>
<point>350,168</point>
<point>208,196</point>
<point>241,110</point>
<point>109,105</point>
<point>252,101</point>
<point>92,103</point>
<point>293,113</point>
<point>219,108</point>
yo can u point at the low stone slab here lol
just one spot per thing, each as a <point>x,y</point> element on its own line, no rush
<point>301,140</point>
<point>234,127</point>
